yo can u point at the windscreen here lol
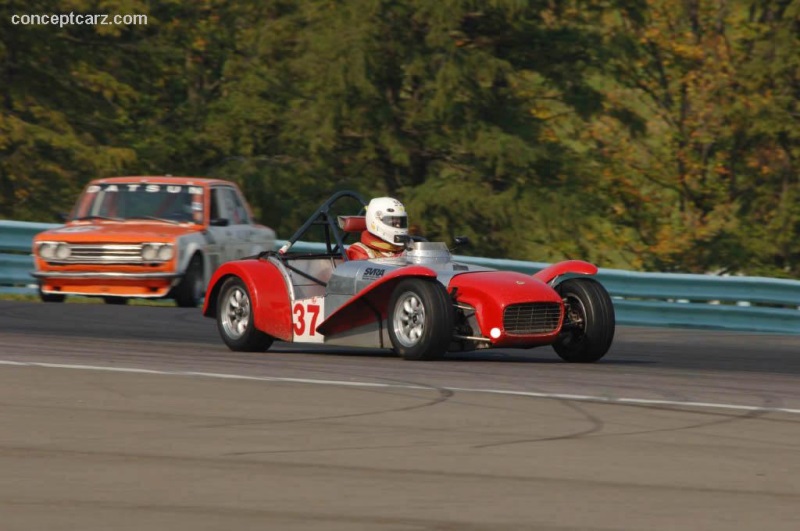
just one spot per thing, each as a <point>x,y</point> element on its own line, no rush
<point>167,202</point>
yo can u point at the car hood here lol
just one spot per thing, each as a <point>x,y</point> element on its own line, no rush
<point>123,232</point>
<point>502,288</point>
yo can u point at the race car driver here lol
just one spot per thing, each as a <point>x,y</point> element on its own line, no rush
<point>386,219</point>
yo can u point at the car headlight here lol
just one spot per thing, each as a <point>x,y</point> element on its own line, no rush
<point>157,252</point>
<point>165,252</point>
<point>149,252</point>
<point>47,250</point>
<point>63,251</point>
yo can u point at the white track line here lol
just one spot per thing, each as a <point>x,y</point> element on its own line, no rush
<point>531,394</point>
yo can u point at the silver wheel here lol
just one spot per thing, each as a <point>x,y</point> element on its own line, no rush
<point>421,319</point>
<point>236,312</point>
<point>236,317</point>
<point>409,319</point>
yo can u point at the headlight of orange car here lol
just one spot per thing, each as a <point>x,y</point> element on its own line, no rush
<point>165,252</point>
<point>63,251</point>
<point>47,250</point>
<point>157,252</point>
<point>54,250</point>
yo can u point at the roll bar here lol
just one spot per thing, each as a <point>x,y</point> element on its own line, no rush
<point>322,216</point>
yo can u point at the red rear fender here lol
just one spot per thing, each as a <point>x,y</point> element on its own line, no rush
<point>269,295</point>
<point>578,267</point>
<point>370,302</point>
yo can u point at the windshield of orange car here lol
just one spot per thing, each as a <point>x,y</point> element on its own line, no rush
<point>125,201</point>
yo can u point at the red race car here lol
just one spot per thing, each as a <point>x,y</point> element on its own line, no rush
<point>421,304</point>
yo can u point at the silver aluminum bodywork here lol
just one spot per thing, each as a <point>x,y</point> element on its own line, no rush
<point>345,279</point>
<point>351,277</point>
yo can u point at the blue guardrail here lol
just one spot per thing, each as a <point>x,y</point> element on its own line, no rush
<point>654,299</point>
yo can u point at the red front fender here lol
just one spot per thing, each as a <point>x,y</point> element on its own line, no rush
<point>579,267</point>
<point>269,297</point>
<point>371,302</point>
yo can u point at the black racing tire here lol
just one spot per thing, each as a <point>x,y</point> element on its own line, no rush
<point>51,297</point>
<point>116,301</point>
<point>235,319</point>
<point>189,291</point>
<point>421,319</point>
<point>590,310</point>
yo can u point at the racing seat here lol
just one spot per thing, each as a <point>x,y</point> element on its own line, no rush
<point>320,268</point>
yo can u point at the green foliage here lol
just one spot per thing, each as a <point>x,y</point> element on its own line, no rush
<point>714,174</point>
<point>644,134</point>
<point>63,103</point>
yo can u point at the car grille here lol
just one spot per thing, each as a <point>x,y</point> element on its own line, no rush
<point>532,318</point>
<point>104,254</point>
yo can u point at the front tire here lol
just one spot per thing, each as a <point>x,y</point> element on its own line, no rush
<point>589,320</point>
<point>421,319</point>
<point>189,291</point>
<point>51,297</point>
<point>117,301</point>
<point>235,319</point>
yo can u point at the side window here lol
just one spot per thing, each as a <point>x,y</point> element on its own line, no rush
<point>235,207</point>
<point>217,209</point>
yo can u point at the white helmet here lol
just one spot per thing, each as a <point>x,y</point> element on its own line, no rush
<point>387,219</point>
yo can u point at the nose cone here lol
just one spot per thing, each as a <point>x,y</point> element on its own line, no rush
<point>512,309</point>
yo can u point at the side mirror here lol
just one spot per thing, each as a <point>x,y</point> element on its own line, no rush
<point>461,241</point>
<point>62,217</point>
<point>219,222</point>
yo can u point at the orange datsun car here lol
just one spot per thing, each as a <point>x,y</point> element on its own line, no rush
<point>152,237</point>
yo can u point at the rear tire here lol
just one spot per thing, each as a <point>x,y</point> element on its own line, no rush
<point>189,291</point>
<point>235,319</point>
<point>421,319</point>
<point>590,316</point>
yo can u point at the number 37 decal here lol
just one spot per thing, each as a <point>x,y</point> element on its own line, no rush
<point>307,315</point>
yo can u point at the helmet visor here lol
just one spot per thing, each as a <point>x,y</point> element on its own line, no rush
<point>398,222</point>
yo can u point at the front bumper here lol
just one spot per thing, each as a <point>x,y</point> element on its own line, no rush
<point>148,285</point>
<point>128,276</point>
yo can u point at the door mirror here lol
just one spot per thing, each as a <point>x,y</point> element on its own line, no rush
<point>219,222</point>
<point>62,217</point>
<point>461,241</point>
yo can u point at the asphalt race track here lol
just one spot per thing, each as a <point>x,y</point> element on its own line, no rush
<point>131,418</point>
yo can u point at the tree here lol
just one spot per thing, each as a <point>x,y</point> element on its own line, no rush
<point>690,115</point>
<point>62,105</point>
<point>451,107</point>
